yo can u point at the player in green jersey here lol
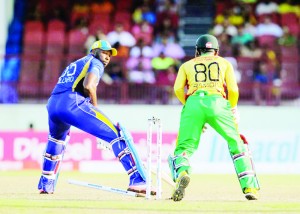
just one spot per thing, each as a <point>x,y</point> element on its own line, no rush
<point>206,102</point>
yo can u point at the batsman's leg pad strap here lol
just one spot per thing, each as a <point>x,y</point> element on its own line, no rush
<point>116,140</point>
<point>50,167</point>
<point>132,171</point>
<point>123,153</point>
<point>55,147</point>
<point>53,155</point>
<point>52,158</point>
<point>130,144</point>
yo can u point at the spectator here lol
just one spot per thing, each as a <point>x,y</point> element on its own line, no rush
<point>167,21</point>
<point>119,35</point>
<point>121,40</point>
<point>165,28</point>
<point>237,72</point>
<point>115,72</point>
<point>139,63</point>
<point>104,6</point>
<point>144,13</point>
<point>265,82</point>
<point>166,80</point>
<point>161,63</point>
<point>266,7</point>
<point>100,35</point>
<point>249,28</point>
<point>81,7</point>
<point>267,27</point>
<point>143,30</point>
<point>80,10</point>
<point>245,10</point>
<point>168,76</point>
<point>170,47</point>
<point>174,50</point>
<point>133,62</point>
<point>141,74</point>
<point>168,5</point>
<point>224,41</point>
<point>289,6</point>
<point>226,27</point>
<point>141,49</point>
<point>137,15</point>
<point>170,13</point>
<point>251,50</point>
<point>148,15</point>
<point>287,39</point>
<point>140,69</point>
<point>241,37</point>
<point>270,57</point>
<point>236,17</point>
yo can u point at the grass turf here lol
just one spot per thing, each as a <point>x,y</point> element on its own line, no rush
<point>205,194</point>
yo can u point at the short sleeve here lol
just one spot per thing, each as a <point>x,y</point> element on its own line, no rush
<point>97,68</point>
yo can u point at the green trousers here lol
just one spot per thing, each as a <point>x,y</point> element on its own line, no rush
<point>214,110</point>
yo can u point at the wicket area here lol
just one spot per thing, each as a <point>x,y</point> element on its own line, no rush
<point>151,123</point>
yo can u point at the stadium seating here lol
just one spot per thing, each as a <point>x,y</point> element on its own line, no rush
<point>51,72</point>
<point>75,44</point>
<point>288,18</point>
<point>55,37</point>
<point>289,91</point>
<point>123,5</point>
<point>289,52</point>
<point>33,38</point>
<point>123,17</point>
<point>94,25</point>
<point>267,41</point>
<point>101,17</point>
<point>29,80</point>
<point>246,66</point>
<point>52,44</point>
<point>290,70</point>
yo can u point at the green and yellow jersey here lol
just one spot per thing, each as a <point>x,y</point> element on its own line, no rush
<point>207,73</point>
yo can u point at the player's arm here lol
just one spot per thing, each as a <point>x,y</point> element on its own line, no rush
<point>179,85</point>
<point>90,87</point>
<point>232,87</point>
<point>233,92</point>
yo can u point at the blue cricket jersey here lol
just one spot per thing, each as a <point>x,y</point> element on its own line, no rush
<point>72,77</point>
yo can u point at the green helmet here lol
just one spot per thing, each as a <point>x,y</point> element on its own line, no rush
<point>207,41</point>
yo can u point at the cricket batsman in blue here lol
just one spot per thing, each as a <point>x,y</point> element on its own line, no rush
<point>73,102</point>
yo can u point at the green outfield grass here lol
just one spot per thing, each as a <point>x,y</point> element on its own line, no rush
<point>205,194</point>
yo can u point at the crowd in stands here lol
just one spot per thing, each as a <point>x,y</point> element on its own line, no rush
<point>264,35</point>
<point>144,32</point>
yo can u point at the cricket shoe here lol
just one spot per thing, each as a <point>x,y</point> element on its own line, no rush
<point>140,188</point>
<point>251,193</point>
<point>46,185</point>
<point>44,192</point>
<point>182,182</point>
